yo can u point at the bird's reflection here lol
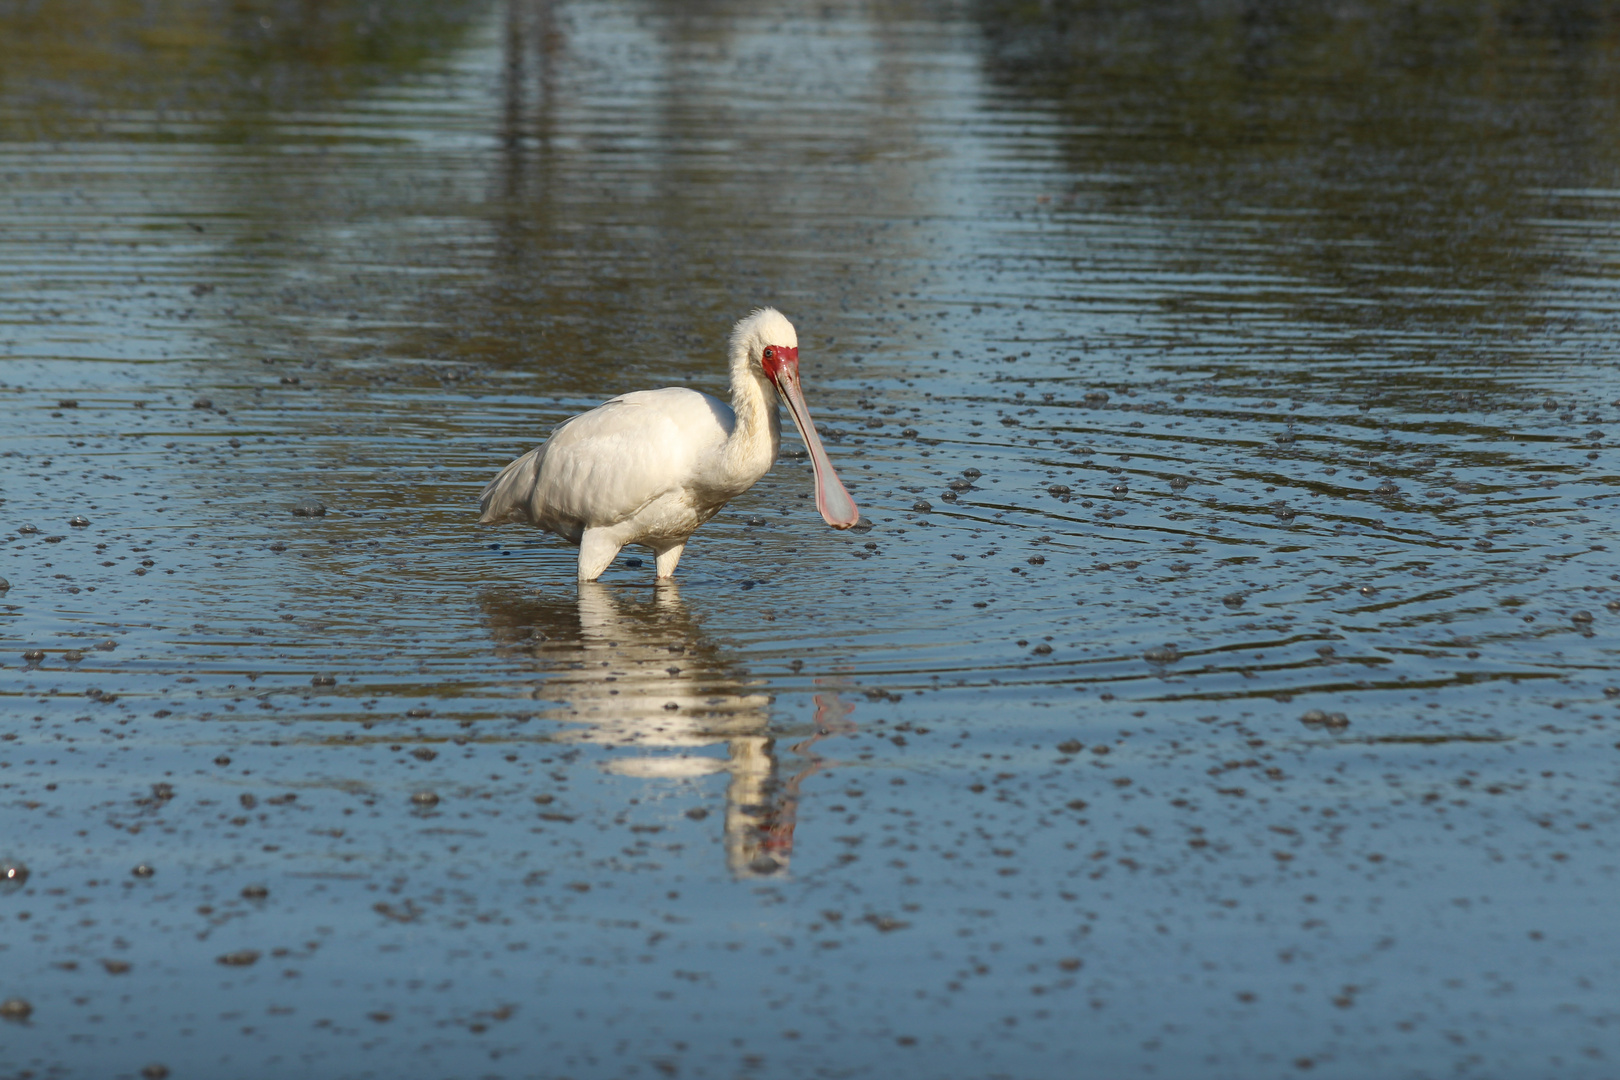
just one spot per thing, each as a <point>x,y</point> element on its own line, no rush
<point>640,675</point>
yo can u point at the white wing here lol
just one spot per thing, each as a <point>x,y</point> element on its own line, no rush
<point>604,466</point>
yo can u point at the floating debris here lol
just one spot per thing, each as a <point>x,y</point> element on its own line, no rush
<point>1328,721</point>
<point>13,876</point>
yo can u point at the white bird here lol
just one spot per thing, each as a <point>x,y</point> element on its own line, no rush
<point>652,466</point>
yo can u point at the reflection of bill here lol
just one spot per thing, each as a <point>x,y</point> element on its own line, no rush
<point>641,676</point>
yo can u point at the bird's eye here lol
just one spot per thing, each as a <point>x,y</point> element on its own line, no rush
<point>770,354</point>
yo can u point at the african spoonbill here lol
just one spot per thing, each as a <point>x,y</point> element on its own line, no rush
<point>650,467</point>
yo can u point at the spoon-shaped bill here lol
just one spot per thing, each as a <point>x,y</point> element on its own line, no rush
<point>837,508</point>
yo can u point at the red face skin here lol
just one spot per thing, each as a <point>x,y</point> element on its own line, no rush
<point>777,357</point>
<point>781,365</point>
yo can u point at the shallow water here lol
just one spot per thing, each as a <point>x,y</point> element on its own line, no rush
<point>1249,711</point>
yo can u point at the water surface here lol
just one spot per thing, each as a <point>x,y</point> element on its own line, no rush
<point>1223,685</point>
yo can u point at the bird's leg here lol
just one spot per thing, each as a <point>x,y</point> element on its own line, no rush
<point>668,558</point>
<point>597,549</point>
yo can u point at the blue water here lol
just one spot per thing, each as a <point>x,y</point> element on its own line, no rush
<point>1042,780</point>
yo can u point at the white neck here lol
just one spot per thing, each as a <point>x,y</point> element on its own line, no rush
<point>757,436</point>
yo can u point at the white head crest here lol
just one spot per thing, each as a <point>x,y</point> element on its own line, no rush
<point>763,326</point>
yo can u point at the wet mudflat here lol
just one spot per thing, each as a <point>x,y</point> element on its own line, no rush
<point>1224,686</point>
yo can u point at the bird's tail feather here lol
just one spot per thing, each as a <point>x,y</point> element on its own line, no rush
<point>509,496</point>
